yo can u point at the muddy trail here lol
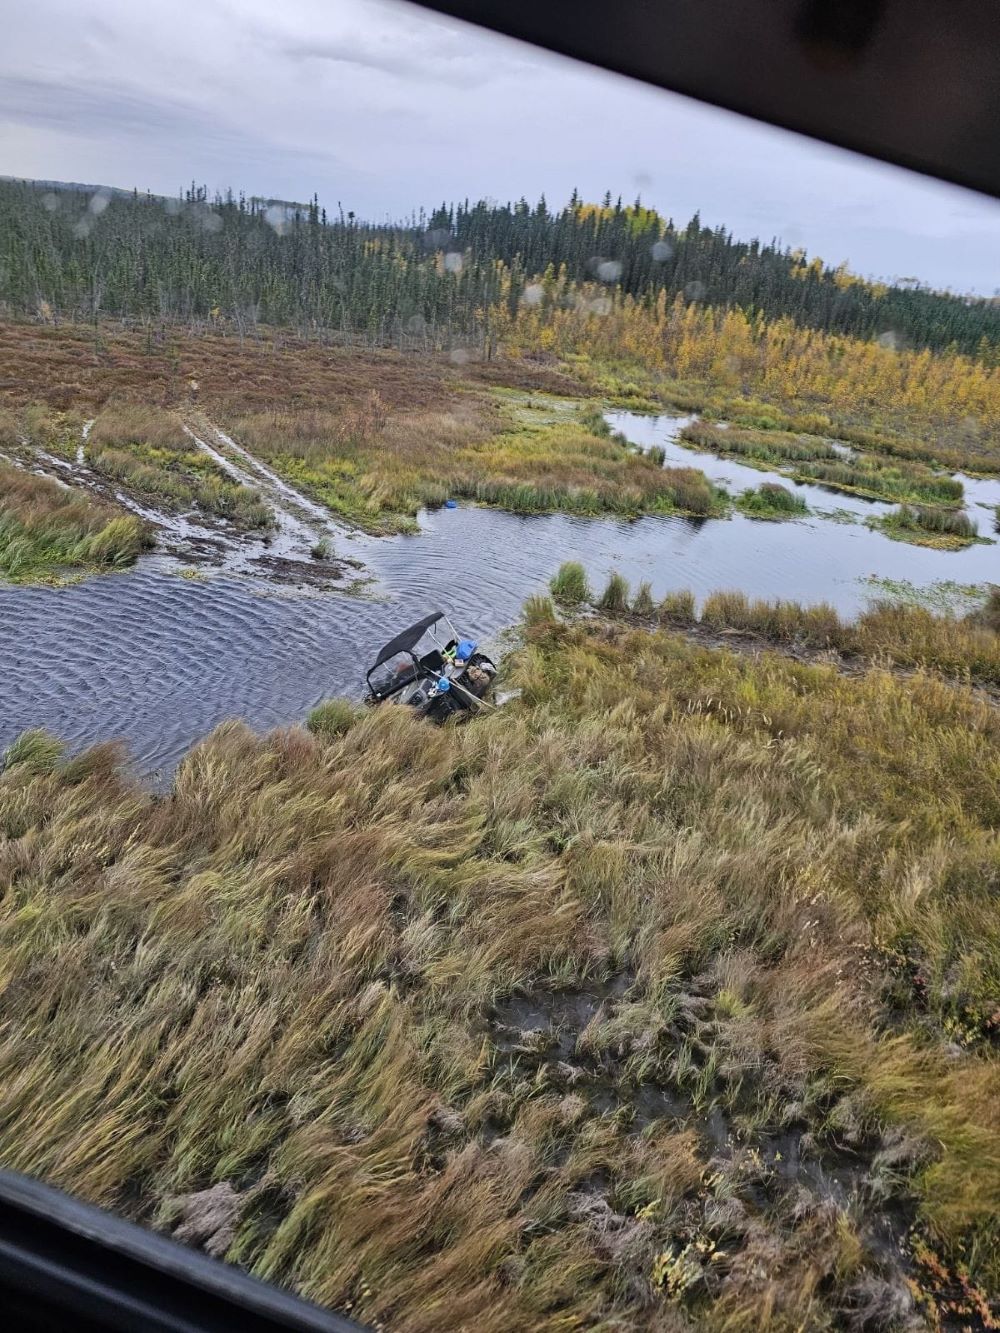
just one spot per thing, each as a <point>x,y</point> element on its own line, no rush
<point>305,547</point>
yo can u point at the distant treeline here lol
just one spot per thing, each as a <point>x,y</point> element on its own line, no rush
<point>75,253</point>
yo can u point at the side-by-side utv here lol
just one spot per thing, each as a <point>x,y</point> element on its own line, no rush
<point>431,668</point>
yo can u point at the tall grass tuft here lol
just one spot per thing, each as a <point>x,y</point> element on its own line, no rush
<point>615,596</point>
<point>539,612</point>
<point>569,584</point>
<point>643,603</point>
<point>34,751</point>
<point>333,717</point>
<point>677,608</point>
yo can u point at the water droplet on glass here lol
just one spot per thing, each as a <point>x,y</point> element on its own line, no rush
<point>276,216</point>
<point>695,290</point>
<point>661,251</point>
<point>600,305</point>
<point>437,238</point>
<point>609,270</point>
<point>889,339</point>
<point>453,261</point>
<point>416,324</point>
<point>99,201</point>
<point>82,228</point>
<point>458,355</point>
<point>533,294</point>
<point>50,201</point>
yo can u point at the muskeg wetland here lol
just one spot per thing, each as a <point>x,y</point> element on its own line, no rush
<point>665,997</point>
<point>667,994</point>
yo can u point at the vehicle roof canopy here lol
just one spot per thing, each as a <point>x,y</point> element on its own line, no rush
<point>407,639</point>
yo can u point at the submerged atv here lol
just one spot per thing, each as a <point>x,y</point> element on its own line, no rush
<point>431,668</point>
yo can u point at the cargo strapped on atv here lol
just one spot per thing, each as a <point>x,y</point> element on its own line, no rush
<point>432,668</point>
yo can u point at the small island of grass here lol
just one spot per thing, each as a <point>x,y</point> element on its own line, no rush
<point>771,501</point>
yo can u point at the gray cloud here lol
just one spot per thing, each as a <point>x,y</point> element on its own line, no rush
<point>95,110</point>
<point>453,68</point>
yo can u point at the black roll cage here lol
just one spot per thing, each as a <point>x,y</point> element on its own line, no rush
<point>429,665</point>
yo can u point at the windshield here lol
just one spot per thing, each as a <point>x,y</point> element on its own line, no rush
<point>622,950</point>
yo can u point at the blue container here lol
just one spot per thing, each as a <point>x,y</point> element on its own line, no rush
<point>451,504</point>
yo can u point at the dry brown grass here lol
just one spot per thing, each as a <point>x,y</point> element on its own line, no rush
<point>571,1017</point>
<point>64,368</point>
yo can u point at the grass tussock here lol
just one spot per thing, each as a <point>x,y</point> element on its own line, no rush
<point>942,529</point>
<point>667,995</point>
<point>46,528</point>
<point>615,596</point>
<point>569,584</point>
<point>771,501</point>
<point>643,603</point>
<point>677,608</point>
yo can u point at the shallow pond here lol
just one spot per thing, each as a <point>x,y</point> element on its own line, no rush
<point>158,660</point>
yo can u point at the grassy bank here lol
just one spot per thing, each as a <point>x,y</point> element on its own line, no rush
<point>47,530</point>
<point>537,455</point>
<point>666,994</point>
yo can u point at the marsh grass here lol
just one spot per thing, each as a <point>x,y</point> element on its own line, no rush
<point>900,634</point>
<point>880,478</point>
<point>379,467</point>
<point>45,528</point>
<point>760,447</point>
<point>771,501</point>
<point>567,1018</point>
<point>145,450</point>
<point>569,584</point>
<point>877,475</point>
<point>942,529</point>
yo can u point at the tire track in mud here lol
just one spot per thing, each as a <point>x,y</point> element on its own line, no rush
<point>302,522</point>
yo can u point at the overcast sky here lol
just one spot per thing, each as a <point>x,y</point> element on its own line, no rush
<point>384,108</point>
